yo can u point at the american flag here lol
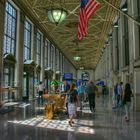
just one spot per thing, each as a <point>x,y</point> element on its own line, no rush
<point>88,8</point>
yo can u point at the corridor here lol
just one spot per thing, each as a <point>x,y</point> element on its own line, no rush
<point>27,122</point>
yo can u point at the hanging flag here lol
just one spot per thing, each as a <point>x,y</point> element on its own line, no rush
<point>87,9</point>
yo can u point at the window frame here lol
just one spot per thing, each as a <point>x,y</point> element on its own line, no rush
<point>13,36</point>
<point>126,41</point>
<point>30,44</point>
<point>38,49</point>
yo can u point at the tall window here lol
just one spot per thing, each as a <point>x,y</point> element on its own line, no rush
<point>60,61</point>
<point>49,54</point>
<point>54,52</point>
<point>46,54</point>
<point>52,56</point>
<point>126,42</point>
<point>57,59</point>
<point>62,64</point>
<point>39,39</point>
<point>10,29</point>
<point>8,76</point>
<point>27,40</point>
<point>117,49</point>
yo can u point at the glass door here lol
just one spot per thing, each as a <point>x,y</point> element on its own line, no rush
<point>24,93</point>
<point>28,86</point>
<point>8,82</point>
<point>31,85</point>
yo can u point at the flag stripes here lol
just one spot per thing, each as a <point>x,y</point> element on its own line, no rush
<point>87,9</point>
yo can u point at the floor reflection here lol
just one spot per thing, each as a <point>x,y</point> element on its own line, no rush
<point>80,126</point>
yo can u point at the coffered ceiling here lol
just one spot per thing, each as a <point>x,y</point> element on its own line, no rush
<point>65,34</point>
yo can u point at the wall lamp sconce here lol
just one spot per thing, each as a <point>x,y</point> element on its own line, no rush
<point>116,25</point>
<point>81,68</point>
<point>110,35</point>
<point>124,8</point>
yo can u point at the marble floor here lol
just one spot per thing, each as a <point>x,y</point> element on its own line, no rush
<point>26,122</point>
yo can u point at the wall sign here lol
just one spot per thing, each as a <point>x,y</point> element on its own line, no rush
<point>85,76</point>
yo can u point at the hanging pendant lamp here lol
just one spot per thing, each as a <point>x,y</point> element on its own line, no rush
<point>57,14</point>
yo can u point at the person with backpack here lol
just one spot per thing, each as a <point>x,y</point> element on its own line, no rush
<point>91,90</point>
<point>72,99</point>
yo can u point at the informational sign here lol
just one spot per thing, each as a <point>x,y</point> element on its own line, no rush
<point>68,76</point>
<point>85,76</point>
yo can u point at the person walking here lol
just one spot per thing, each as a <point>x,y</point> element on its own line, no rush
<point>40,92</point>
<point>81,91</point>
<point>91,90</point>
<point>127,100</point>
<point>72,100</point>
<point>66,89</point>
<point>119,95</point>
<point>115,95</point>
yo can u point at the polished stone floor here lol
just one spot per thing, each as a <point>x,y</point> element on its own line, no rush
<point>26,122</point>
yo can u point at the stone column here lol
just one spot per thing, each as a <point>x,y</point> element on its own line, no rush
<point>134,54</point>
<point>20,52</point>
<point>2,16</point>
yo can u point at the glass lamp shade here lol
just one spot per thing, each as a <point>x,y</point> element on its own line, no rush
<point>124,7</point>
<point>81,68</point>
<point>77,58</point>
<point>116,25</point>
<point>57,15</point>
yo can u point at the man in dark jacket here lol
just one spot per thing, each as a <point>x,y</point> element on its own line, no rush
<point>90,90</point>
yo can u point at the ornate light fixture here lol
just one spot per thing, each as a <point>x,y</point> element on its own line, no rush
<point>56,13</point>
<point>124,7</point>
<point>116,25</point>
<point>77,58</point>
<point>81,68</point>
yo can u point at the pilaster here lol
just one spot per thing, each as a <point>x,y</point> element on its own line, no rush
<point>20,55</point>
<point>2,16</point>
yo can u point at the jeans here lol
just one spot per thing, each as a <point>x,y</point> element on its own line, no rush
<point>91,98</point>
<point>40,98</point>
<point>127,110</point>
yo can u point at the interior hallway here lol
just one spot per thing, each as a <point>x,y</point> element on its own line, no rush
<point>26,122</point>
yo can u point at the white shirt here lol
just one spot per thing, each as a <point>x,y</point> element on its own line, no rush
<point>120,89</point>
<point>41,87</point>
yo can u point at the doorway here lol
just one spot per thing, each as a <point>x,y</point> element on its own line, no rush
<point>28,86</point>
